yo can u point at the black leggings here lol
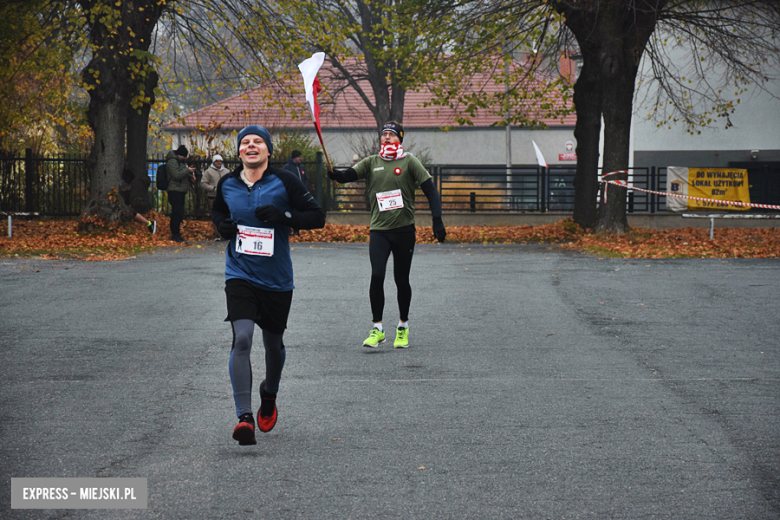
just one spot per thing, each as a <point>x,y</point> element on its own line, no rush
<point>176,200</point>
<point>381,244</point>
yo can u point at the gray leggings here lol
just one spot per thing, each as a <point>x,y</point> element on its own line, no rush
<point>240,366</point>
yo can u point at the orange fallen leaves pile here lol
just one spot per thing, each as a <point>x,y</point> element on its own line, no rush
<point>685,243</point>
<point>51,239</point>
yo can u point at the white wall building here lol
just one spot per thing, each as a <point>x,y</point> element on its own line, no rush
<point>752,142</point>
<point>347,124</point>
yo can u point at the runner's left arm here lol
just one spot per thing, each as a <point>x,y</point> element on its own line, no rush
<point>434,201</point>
<point>306,213</point>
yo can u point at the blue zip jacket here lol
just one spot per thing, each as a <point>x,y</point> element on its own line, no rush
<point>238,201</point>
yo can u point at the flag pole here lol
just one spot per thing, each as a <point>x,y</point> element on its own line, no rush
<point>330,166</point>
<point>311,83</point>
<point>324,151</point>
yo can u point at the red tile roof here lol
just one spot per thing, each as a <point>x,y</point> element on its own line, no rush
<point>263,104</point>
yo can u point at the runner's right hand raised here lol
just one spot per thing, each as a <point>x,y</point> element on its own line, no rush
<point>347,175</point>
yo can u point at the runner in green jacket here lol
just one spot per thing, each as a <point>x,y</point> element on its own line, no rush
<point>391,178</point>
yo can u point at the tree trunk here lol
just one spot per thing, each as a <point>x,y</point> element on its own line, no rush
<point>617,105</point>
<point>618,88</point>
<point>388,106</point>
<point>382,103</point>
<point>624,33</point>
<point>120,39</point>
<point>137,136</point>
<point>618,31</point>
<point>587,100</point>
<point>397,105</point>
<point>107,117</point>
<point>617,131</point>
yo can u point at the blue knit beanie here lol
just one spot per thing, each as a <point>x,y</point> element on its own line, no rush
<point>256,130</point>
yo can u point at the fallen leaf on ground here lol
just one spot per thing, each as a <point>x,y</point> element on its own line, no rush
<point>60,238</point>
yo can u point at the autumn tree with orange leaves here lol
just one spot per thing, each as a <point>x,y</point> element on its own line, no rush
<point>36,82</point>
<point>120,79</point>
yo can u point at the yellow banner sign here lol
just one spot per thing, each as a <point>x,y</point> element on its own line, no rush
<point>714,184</point>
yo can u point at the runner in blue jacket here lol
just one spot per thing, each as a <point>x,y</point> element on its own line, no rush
<point>255,207</point>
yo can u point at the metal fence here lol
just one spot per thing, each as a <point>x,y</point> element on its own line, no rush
<point>519,189</point>
<point>59,186</point>
<point>49,186</point>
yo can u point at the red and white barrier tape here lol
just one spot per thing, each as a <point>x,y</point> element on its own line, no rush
<point>624,184</point>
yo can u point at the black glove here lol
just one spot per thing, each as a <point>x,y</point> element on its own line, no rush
<point>227,228</point>
<point>348,175</point>
<point>270,213</point>
<point>438,229</point>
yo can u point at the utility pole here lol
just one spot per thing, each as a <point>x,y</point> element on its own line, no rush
<point>508,131</point>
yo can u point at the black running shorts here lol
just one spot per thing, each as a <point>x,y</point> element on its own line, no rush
<point>269,309</point>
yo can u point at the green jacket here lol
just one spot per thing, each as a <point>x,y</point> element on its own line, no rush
<point>178,173</point>
<point>384,177</point>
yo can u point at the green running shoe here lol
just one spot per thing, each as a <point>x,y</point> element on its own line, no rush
<point>375,337</point>
<point>401,338</point>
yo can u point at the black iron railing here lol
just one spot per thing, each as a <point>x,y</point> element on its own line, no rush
<point>498,189</point>
<point>59,186</point>
<point>56,186</point>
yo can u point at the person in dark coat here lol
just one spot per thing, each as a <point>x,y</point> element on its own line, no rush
<point>295,166</point>
<point>181,178</point>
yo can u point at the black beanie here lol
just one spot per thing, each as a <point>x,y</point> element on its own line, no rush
<point>256,130</point>
<point>396,128</point>
<point>182,150</point>
<point>295,154</point>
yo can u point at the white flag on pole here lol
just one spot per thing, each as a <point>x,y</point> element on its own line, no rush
<point>539,156</point>
<point>309,69</point>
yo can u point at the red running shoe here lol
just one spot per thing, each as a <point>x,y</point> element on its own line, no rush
<point>266,415</point>
<point>244,432</point>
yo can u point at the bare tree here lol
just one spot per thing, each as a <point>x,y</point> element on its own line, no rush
<point>726,43</point>
<point>380,49</point>
<point>695,49</point>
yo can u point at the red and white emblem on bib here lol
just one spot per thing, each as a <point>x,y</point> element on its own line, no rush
<point>397,171</point>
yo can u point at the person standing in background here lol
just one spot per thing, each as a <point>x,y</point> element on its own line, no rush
<point>209,182</point>
<point>295,166</point>
<point>181,177</point>
<point>125,190</point>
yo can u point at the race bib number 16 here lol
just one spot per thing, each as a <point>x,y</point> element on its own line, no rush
<point>255,241</point>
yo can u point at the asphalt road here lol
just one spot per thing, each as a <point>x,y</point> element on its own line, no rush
<point>540,384</point>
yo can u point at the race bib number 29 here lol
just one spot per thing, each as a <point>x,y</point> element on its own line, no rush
<point>255,241</point>
<point>389,200</point>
